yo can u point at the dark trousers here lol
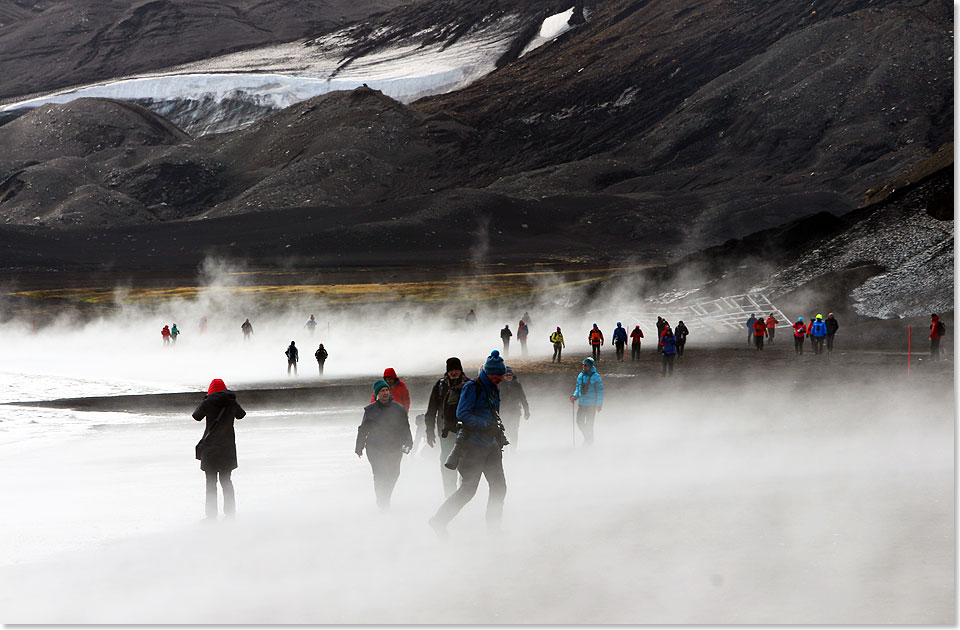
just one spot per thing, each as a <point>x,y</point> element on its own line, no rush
<point>320,363</point>
<point>557,351</point>
<point>758,340</point>
<point>596,352</point>
<point>830,342</point>
<point>386,471</point>
<point>523,346</point>
<point>229,500</point>
<point>798,345</point>
<point>634,351</point>
<point>620,345</point>
<point>476,461</point>
<point>934,349</point>
<point>750,337</point>
<point>291,364</point>
<point>681,342</point>
<point>817,344</point>
<point>585,417</point>
<point>666,364</point>
<point>511,426</point>
<point>448,476</point>
<point>506,347</point>
<point>770,333</point>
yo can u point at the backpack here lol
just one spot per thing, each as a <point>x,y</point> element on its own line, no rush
<point>941,329</point>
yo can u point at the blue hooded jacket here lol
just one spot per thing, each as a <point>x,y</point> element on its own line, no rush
<point>819,329</point>
<point>669,344</point>
<point>620,334</point>
<point>589,389</point>
<point>474,410</point>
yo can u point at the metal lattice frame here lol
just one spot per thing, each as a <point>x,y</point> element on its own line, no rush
<point>733,311</point>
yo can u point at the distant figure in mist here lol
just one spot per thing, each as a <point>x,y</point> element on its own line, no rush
<point>217,449</point>
<point>668,349</point>
<point>247,329</point>
<point>681,332</point>
<point>750,329</point>
<point>505,335</point>
<point>471,318</point>
<point>526,318</point>
<point>589,392</point>
<point>620,340</point>
<point>759,332</point>
<point>937,330</point>
<point>771,327</point>
<point>442,414</point>
<point>481,441</point>
<point>635,338</point>
<point>398,389</point>
<point>832,327</point>
<point>174,333</point>
<point>165,333</point>
<point>202,324</point>
<point>523,331</point>
<point>321,356</point>
<point>595,339</point>
<point>512,398</point>
<point>818,334</point>
<point>293,355</point>
<point>799,332</point>
<point>311,324</point>
<point>556,338</point>
<point>385,433</point>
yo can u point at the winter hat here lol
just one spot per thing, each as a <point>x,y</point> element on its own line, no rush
<point>216,385</point>
<point>619,324</point>
<point>558,329</point>
<point>819,316</point>
<point>799,319</point>
<point>380,384</point>
<point>588,361</point>
<point>390,373</point>
<point>508,370</point>
<point>453,363</point>
<point>494,366</point>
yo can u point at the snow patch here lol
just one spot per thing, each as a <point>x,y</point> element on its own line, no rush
<point>552,28</point>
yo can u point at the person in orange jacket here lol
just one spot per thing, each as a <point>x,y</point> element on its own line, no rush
<point>759,332</point>
<point>595,339</point>
<point>398,389</point>
<point>799,331</point>
<point>771,327</point>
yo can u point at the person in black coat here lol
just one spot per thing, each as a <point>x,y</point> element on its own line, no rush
<point>441,417</point>
<point>217,449</point>
<point>832,327</point>
<point>681,333</point>
<point>385,433</point>
<point>293,355</point>
<point>512,398</point>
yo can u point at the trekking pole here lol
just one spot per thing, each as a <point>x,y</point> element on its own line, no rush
<point>909,336</point>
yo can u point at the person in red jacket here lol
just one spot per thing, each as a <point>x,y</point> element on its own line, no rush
<point>759,332</point>
<point>771,327</point>
<point>799,332</point>
<point>635,338</point>
<point>398,389</point>
<point>937,330</point>
<point>165,333</point>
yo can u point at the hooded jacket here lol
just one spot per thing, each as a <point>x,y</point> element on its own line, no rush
<point>819,329</point>
<point>799,330</point>
<point>219,450</point>
<point>636,335</point>
<point>759,328</point>
<point>832,325</point>
<point>478,400</point>
<point>620,334</point>
<point>383,428</point>
<point>589,389</point>
<point>399,391</point>
<point>934,333</point>
<point>668,342</point>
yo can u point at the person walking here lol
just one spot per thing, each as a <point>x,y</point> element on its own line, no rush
<point>832,327</point>
<point>165,333</point>
<point>635,338</point>
<point>174,333</point>
<point>217,449</point>
<point>556,338</point>
<point>771,327</point>
<point>620,340</point>
<point>937,330</point>
<point>385,434</point>
<point>668,346</point>
<point>311,325</point>
<point>759,332</point>
<point>818,334</point>
<point>293,355</point>
<point>526,318</point>
<point>505,335</point>
<point>589,393</point>
<point>595,339</point>
<point>471,318</point>
<point>247,329</point>
<point>512,398</point>
<point>799,332</point>
<point>442,413</point>
<point>398,389</point>
<point>522,332</point>
<point>321,356</point>
<point>750,329</point>
<point>202,324</point>
<point>681,333</point>
<point>481,441</point>
<point>661,324</point>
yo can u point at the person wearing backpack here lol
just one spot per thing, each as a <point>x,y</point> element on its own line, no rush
<point>247,329</point>
<point>174,333</point>
<point>751,331</point>
<point>818,333</point>
<point>442,413</point>
<point>799,332</point>
<point>589,392</point>
<point>668,348</point>
<point>620,340</point>
<point>321,356</point>
<point>556,339</point>
<point>523,331</point>
<point>595,339</point>
<point>293,355</point>
<point>759,332</point>
<point>385,434</point>
<point>832,327</point>
<point>771,327</point>
<point>478,413</point>
<point>635,338</point>
<point>505,335</point>
<point>681,333</point>
<point>937,331</point>
<point>217,449</point>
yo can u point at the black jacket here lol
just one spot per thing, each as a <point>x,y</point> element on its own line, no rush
<point>219,450</point>
<point>292,353</point>
<point>321,354</point>
<point>442,406</point>
<point>832,325</point>
<point>681,331</point>
<point>512,398</point>
<point>383,428</point>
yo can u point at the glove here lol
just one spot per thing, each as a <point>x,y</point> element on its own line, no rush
<point>444,433</point>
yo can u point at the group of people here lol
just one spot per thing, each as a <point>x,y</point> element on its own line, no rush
<point>293,357</point>
<point>670,342</point>
<point>169,334</point>
<point>818,330</point>
<point>523,331</point>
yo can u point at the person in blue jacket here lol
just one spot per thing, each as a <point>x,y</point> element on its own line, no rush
<point>818,334</point>
<point>669,343</point>
<point>482,450</point>
<point>620,340</point>
<point>750,322</point>
<point>589,392</point>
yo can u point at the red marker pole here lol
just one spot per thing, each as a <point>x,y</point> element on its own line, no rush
<point>909,338</point>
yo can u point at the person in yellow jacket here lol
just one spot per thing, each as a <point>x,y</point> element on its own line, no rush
<point>557,340</point>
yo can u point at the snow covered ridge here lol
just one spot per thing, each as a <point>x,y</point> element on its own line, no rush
<point>232,91</point>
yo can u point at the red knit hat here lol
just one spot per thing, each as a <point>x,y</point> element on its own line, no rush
<point>216,385</point>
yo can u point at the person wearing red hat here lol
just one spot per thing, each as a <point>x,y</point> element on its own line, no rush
<point>217,449</point>
<point>397,388</point>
